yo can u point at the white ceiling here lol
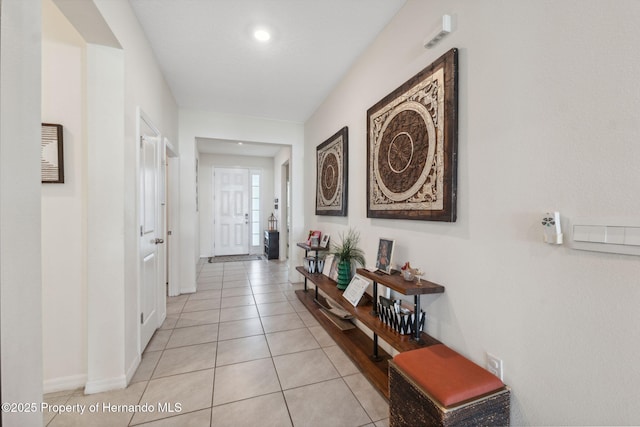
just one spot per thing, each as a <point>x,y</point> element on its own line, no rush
<point>212,62</point>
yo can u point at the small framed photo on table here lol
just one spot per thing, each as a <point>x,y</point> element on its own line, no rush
<point>356,289</point>
<point>324,242</point>
<point>385,255</point>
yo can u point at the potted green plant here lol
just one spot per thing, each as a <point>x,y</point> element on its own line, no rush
<point>348,252</point>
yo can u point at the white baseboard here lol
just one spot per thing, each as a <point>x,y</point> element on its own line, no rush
<point>133,368</point>
<point>189,290</point>
<point>107,384</point>
<point>64,383</point>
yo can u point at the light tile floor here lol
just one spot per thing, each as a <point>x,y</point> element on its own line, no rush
<point>242,351</point>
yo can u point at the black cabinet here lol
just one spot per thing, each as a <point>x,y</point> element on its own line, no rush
<point>271,244</point>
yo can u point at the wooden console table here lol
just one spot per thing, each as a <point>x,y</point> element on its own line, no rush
<point>355,342</point>
<point>396,282</point>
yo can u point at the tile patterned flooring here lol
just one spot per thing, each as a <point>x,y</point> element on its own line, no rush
<point>242,351</point>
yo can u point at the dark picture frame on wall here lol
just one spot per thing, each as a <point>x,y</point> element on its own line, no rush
<point>332,174</point>
<point>52,154</point>
<point>412,146</point>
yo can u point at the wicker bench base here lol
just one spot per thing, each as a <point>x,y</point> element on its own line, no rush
<point>410,406</point>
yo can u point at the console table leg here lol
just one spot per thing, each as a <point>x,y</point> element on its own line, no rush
<point>416,318</point>
<point>375,357</point>
<point>374,311</point>
<point>305,284</point>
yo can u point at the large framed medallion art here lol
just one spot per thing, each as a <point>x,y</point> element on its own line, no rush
<point>332,165</point>
<point>412,143</point>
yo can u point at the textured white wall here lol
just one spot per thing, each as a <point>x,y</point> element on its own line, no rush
<point>548,120</point>
<point>64,246</point>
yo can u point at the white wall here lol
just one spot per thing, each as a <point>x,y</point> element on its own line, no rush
<point>122,76</point>
<point>20,272</point>
<point>205,192</point>
<point>201,124</point>
<point>64,261</point>
<point>548,103</point>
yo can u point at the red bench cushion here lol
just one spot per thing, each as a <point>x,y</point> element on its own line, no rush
<point>446,375</point>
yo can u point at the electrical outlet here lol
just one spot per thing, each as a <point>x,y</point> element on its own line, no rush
<point>494,365</point>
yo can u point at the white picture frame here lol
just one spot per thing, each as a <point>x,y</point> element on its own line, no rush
<point>324,242</point>
<point>328,262</point>
<point>356,289</point>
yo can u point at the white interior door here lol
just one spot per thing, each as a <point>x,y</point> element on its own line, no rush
<point>151,233</point>
<point>231,211</point>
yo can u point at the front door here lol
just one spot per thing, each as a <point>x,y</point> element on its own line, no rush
<point>231,211</point>
<point>151,234</point>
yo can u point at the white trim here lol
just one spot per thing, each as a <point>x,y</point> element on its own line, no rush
<point>133,368</point>
<point>107,384</point>
<point>64,383</point>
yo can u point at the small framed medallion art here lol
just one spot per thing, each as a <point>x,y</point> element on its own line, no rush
<point>331,184</point>
<point>412,146</point>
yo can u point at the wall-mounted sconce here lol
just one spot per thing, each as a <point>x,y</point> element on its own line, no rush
<point>439,33</point>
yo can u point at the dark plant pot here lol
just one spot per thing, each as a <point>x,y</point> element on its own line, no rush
<point>344,274</point>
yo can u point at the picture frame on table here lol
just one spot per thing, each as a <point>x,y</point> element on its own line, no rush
<point>384,258</point>
<point>331,267</point>
<point>356,289</point>
<point>314,238</point>
<point>324,242</point>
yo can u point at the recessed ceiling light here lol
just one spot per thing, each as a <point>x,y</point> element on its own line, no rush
<point>262,35</point>
<point>239,142</point>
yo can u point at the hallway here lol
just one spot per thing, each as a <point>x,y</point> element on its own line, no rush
<point>242,351</point>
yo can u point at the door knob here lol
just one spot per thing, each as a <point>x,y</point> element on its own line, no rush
<point>159,241</point>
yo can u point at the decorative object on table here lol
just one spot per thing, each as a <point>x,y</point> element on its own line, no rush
<point>324,242</point>
<point>273,222</point>
<point>331,267</point>
<point>408,273</point>
<point>348,252</point>
<point>51,154</point>
<point>399,318</point>
<point>319,265</point>
<point>419,273</point>
<point>332,168</point>
<point>328,263</point>
<point>314,238</point>
<point>412,143</point>
<point>356,289</point>
<point>310,264</point>
<point>385,255</point>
